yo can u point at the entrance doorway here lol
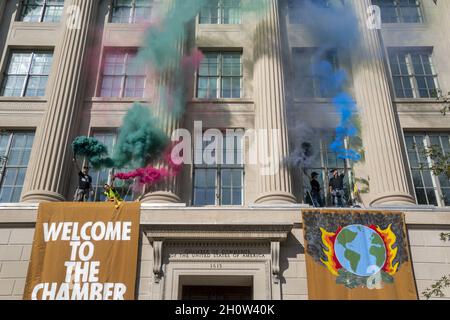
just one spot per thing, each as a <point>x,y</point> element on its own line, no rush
<point>217,293</point>
<point>209,287</point>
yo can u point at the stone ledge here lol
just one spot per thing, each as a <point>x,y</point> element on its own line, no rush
<point>24,214</point>
<point>274,232</point>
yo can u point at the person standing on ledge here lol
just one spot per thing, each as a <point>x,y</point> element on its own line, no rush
<point>84,184</point>
<point>337,187</point>
<point>315,190</point>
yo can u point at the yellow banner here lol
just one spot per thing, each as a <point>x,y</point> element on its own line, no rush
<point>84,251</point>
<point>357,255</point>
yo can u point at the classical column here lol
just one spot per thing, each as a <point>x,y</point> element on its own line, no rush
<point>52,163</point>
<point>274,180</point>
<point>381,136</point>
<point>169,117</point>
<point>168,190</point>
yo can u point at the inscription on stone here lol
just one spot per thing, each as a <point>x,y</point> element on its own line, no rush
<point>217,253</point>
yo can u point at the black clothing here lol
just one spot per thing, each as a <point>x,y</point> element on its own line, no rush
<point>315,186</point>
<point>337,183</point>
<point>84,181</point>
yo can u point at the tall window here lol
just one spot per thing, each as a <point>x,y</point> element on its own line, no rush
<point>27,74</point>
<point>221,183</point>
<point>310,76</point>
<point>122,76</point>
<point>131,11</point>
<point>220,75</point>
<point>221,12</point>
<point>399,11</point>
<point>15,149</point>
<point>100,177</point>
<point>430,189</point>
<point>295,8</point>
<point>42,10</point>
<point>323,162</point>
<point>413,73</point>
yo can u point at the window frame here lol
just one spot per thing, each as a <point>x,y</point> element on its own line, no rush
<point>95,174</point>
<point>399,17</point>
<point>220,77</point>
<point>127,52</point>
<point>219,168</point>
<point>426,167</point>
<point>132,15</point>
<point>412,76</point>
<point>220,10</point>
<point>28,75</point>
<point>293,7</point>
<point>324,173</point>
<point>42,13</point>
<point>316,87</point>
<point>4,158</point>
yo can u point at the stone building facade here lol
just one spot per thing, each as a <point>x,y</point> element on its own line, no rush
<point>63,77</point>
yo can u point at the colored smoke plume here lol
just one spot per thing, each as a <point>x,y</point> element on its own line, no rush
<point>95,151</point>
<point>332,84</point>
<point>148,175</point>
<point>140,140</point>
<point>334,27</point>
<point>193,60</point>
<point>346,107</point>
<point>161,43</point>
<point>330,27</point>
<point>303,150</point>
<point>151,175</point>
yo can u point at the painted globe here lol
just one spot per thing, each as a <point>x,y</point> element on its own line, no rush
<point>360,250</point>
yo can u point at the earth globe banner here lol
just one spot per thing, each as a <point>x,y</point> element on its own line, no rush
<point>357,255</point>
<point>84,251</point>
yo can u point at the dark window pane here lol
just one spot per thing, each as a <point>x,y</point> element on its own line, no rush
<point>446,196</point>
<point>421,198</point>
<point>431,193</point>
<point>237,197</point>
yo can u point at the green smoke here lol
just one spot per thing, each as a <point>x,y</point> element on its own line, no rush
<point>94,151</point>
<point>140,139</point>
<point>161,42</point>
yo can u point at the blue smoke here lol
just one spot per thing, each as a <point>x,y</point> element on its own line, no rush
<point>332,84</point>
<point>334,27</point>
<point>346,106</point>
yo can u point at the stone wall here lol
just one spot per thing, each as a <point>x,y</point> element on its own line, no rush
<point>430,255</point>
<point>145,269</point>
<point>293,268</point>
<point>15,251</point>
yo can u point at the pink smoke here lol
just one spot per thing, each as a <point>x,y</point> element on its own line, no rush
<point>193,60</point>
<point>151,175</point>
<point>148,175</point>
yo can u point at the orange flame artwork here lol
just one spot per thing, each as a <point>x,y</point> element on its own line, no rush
<point>328,239</point>
<point>346,252</point>
<point>389,240</point>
